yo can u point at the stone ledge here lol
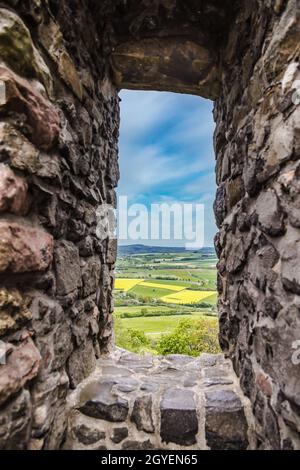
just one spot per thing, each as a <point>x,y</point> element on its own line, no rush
<point>144,402</point>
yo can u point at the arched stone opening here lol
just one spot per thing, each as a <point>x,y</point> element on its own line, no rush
<point>61,66</point>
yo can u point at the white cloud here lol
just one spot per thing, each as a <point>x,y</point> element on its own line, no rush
<point>166,149</point>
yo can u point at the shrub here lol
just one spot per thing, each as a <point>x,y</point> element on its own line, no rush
<point>191,337</point>
<point>132,339</point>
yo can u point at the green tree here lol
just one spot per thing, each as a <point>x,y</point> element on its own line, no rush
<point>191,337</point>
<point>132,339</point>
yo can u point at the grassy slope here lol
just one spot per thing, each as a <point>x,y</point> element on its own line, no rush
<point>153,292</point>
<point>187,270</point>
<point>155,326</point>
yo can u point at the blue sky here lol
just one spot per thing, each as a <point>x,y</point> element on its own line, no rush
<point>166,153</point>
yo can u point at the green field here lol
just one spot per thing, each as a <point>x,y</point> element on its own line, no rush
<point>155,326</point>
<point>146,306</point>
<point>151,292</point>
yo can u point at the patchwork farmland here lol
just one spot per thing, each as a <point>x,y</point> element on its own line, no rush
<point>155,291</point>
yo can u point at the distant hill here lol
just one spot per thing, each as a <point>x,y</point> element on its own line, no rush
<point>124,250</point>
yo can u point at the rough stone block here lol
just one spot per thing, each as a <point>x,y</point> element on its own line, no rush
<point>142,414</point>
<point>53,41</point>
<point>22,365</point>
<point>179,422</point>
<point>99,402</point>
<point>291,267</point>
<point>42,120</point>
<point>20,152</point>
<point>67,267</point>
<point>17,49</point>
<point>119,434</point>
<point>15,420</point>
<point>81,362</point>
<point>13,192</point>
<point>138,445</point>
<point>226,425</point>
<point>14,310</point>
<point>270,215</point>
<point>91,276</point>
<point>24,248</point>
<point>88,436</point>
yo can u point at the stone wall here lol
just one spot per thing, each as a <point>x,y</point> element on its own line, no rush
<point>174,402</point>
<point>59,118</point>
<point>257,143</point>
<point>61,63</point>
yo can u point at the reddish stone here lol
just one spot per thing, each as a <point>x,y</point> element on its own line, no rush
<point>264,384</point>
<point>22,365</point>
<point>24,248</point>
<point>13,192</point>
<point>42,124</point>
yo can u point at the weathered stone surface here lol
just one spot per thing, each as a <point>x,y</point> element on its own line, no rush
<point>41,118</point>
<point>291,268</point>
<point>137,445</point>
<point>152,64</point>
<point>226,426</point>
<point>81,363</point>
<point>126,384</point>
<point>24,248</point>
<point>169,413</point>
<point>69,73</point>
<point>234,191</point>
<point>53,41</point>
<point>217,49</point>
<point>238,247</point>
<point>67,267</point>
<point>15,423</point>
<point>270,215</point>
<point>179,423</point>
<point>13,192</point>
<point>14,311</point>
<point>219,205</point>
<point>18,51</point>
<point>101,403</point>
<point>90,276</point>
<point>119,435</point>
<point>20,152</point>
<point>22,365</point>
<point>262,266</point>
<point>142,414</point>
<point>88,436</point>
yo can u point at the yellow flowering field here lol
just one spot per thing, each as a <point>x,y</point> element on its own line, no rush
<point>187,296</point>
<point>126,284</point>
<point>162,286</point>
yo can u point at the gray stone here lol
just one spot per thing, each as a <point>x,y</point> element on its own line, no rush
<point>209,359</point>
<point>116,371</point>
<point>15,423</point>
<point>179,360</point>
<point>67,266</point>
<point>179,422</point>
<point>119,434</point>
<point>88,436</point>
<point>90,276</point>
<point>126,384</point>
<point>142,414</point>
<point>217,381</point>
<point>219,205</point>
<point>81,363</point>
<point>270,215</point>
<point>291,268</point>
<point>149,387</point>
<point>137,445</point>
<point>101,403</point>
<point>225,425</point>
